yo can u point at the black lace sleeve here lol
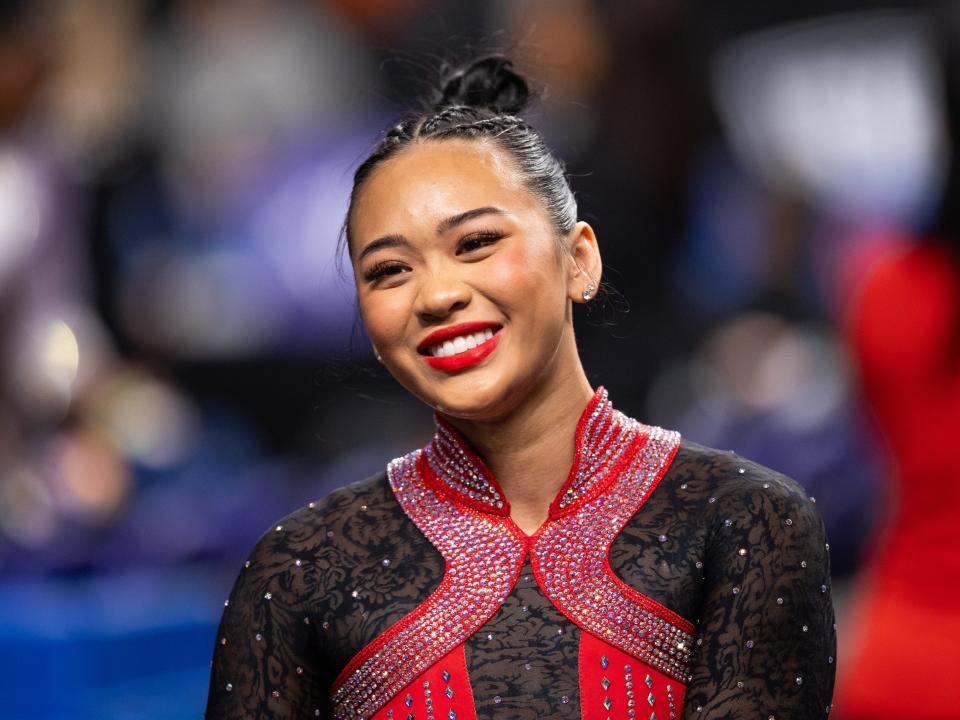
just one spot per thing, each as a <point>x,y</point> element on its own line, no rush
<point>266,661</point>
<point>317,587</point>
<point>766,640</point>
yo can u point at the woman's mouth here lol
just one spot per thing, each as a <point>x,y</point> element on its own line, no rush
<point>459,344</point>
<point>460,347</point>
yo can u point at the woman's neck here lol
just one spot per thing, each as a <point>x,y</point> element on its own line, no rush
<point>530,451</point>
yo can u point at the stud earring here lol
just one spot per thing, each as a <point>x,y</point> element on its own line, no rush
<point>588,291</point>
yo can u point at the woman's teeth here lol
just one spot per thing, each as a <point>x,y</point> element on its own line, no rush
<point>460,344</point>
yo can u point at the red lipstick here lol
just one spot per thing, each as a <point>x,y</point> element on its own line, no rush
<point>464,360</point>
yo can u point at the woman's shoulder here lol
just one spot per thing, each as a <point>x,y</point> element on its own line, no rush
<point>750,516</point>
<point>371,493</point>
<point>727,486</point>
<point>346,512</point>
<point>722,472</point>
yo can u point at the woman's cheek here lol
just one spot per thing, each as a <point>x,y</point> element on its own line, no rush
<point>384,318</point>
<point>528,274</point>
<point>512,272</point>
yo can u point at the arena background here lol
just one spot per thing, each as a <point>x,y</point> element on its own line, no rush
<point>181,358</point>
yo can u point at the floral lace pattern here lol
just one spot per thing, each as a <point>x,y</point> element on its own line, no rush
<point>729,544</point>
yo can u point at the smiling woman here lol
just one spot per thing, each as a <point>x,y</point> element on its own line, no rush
<point>448,241</point>
<point>544,555</point>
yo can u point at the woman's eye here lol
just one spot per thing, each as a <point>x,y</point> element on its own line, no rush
<point>478,240</point>
<point>384,269</point>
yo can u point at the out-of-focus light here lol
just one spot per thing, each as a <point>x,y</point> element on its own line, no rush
<point>91,96</point>
<point>672,395</point>
<point>290,219</point>
<point>28,514</point>
<point>806,377</point>
<point>44,366</point>
<point>760,365</point>
<point>736,351</point>
<point>148,420</point>
<point>847,110</point>
<point>90,477</point>
<point>215,304</point>
<point>295,226</point>
<point>760,362</point>
<point>61,353</point>
<point>239,81</point>
<point>19,212</point>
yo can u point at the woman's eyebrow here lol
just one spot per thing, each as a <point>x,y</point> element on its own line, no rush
<point>460,218</point>
<point>387,241</point>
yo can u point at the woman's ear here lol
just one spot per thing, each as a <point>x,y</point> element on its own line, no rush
<point>585,266</point>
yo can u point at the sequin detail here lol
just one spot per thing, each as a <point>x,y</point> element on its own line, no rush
<point>470,592</point>
<point>601,444</point>
<point>463,472</point>
<point>570,560</point>
<point>627,688</point>
<point>603,437</point>
<point>450,495</point>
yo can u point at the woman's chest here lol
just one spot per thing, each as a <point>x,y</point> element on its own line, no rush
<point>551,632</point>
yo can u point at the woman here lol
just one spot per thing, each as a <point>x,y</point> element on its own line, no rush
<point>544,555</point>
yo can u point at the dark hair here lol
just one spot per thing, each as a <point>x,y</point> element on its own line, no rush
<point>482,100</point>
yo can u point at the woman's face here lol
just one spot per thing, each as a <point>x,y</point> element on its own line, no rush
<point>463,289</point>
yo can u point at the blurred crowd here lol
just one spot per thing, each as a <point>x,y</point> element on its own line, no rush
<point>773,187</point>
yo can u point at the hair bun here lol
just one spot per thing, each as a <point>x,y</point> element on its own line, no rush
<point>489,82</point>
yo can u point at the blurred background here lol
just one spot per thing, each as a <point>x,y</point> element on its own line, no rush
<point>774,188</point>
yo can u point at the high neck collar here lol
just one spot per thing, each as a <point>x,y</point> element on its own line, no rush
<point>602,436</point>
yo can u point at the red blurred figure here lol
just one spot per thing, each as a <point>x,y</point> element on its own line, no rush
<point>904,331</point>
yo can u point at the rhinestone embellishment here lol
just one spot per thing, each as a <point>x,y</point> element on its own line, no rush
<point>454,465</point>
<point>453,499</point>
<point>468,595</point>
<point>569,558</point>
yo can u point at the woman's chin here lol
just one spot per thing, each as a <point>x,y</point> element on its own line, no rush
<point>477,403</point>
<point>466,409</point>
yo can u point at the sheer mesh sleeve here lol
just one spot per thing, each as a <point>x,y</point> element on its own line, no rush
<point>266,661</point>
<point>317,587</point>
<point>766,639</point>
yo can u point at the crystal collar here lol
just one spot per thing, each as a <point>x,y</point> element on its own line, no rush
<point>602,437</point>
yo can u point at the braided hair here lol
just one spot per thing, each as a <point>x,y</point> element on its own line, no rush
<point>482,100</point>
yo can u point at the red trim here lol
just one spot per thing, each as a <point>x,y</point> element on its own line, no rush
<point>597,488</point>
<point>555,511</point>
<point>377,644</point>
<point>374,676</point>
<point>569,551</point>
<point>603,690</point>
<point>648,603</point>
<point>437,484</point>
<point>469,708</point>
<point>457,680</point>
<point>548,560</point>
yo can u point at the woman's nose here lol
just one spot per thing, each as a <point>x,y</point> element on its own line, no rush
<point>441,293</point>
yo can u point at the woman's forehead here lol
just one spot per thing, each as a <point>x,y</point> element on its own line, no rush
<point>428,180</point>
